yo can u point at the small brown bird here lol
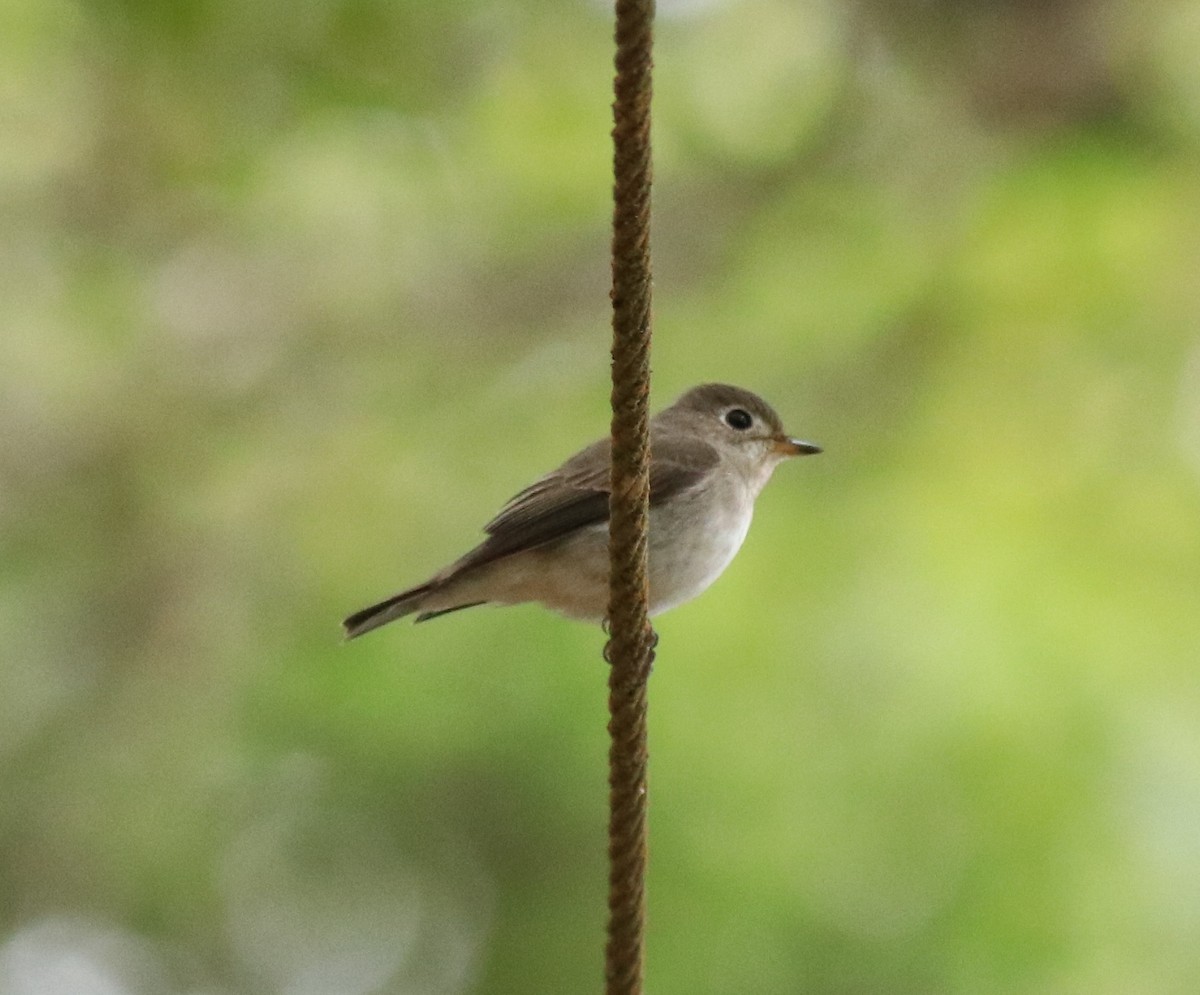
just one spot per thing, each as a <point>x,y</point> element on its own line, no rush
<point>711,454</point>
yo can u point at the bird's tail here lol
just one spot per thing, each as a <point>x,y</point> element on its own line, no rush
<point>397,606</point>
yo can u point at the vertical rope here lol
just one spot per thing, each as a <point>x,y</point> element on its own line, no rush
<point>630,650</point>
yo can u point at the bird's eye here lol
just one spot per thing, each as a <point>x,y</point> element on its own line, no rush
<point>738,419</point>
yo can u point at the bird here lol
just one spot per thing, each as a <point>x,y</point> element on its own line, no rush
<point>711,454</point>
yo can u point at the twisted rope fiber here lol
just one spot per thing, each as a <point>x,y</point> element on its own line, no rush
<point>630,650</point>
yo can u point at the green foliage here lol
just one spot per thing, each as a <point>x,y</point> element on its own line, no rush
<point>295,297</point>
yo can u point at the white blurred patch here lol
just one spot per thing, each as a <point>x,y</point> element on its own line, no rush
<point>75,957</point>
<point>321,900</point>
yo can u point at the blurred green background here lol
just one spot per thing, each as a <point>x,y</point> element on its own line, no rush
<point>295,296</point>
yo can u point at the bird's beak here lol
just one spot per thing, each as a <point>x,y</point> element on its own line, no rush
<point>785,446</point>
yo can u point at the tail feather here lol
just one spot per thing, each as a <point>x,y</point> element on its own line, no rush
<point>426,616</point>
<point>397,606</point>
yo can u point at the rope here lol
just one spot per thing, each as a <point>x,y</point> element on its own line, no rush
<point>630,649</point>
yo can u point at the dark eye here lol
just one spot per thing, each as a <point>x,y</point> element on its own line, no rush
<point>739,419</point>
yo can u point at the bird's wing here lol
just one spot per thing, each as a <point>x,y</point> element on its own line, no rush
<point>576,495</point>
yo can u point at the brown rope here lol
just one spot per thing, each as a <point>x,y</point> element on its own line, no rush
<point>630,650</point>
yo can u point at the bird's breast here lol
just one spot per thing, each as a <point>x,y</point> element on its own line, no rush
<point>693,538</point>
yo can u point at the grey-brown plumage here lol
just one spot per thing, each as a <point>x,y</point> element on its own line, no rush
<point>711,453</point>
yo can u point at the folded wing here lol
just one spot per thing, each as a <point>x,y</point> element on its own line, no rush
<point>576,495</point>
